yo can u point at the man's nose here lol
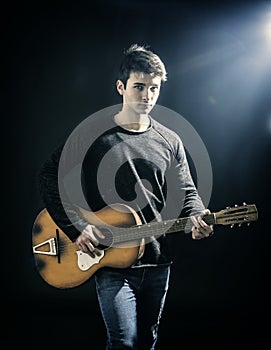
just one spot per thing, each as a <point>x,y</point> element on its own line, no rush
<point>146,95</point>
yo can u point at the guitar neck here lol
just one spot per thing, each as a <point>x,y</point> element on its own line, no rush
<point>130,231</point>
<point>157,229</point>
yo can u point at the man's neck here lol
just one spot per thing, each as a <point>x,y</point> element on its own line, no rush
<point>135,122</point>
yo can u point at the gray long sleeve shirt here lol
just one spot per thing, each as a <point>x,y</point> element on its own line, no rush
<point>148,171</point>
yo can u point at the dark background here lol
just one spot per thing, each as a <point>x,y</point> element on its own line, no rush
<point>59,66</point>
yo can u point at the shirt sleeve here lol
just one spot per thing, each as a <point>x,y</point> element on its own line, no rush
<point>56,201</point>
<point>192,202</point>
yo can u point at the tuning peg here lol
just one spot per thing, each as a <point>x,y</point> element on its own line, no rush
<point>240,225</point>
<point>232,225</point>
<point>236,205</point>
<point>248,223</point>
<point>228,207</point>
<point>244,203</point>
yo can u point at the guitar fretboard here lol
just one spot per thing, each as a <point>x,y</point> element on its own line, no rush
<point>156,229</point>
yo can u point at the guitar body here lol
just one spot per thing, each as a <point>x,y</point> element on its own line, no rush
<point>60,262</point>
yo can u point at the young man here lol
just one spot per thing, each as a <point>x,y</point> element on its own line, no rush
<point>127,158</point>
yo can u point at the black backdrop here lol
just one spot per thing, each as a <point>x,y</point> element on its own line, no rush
<point>60,61</point>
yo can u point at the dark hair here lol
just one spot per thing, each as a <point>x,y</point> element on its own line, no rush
<point>139,58</point>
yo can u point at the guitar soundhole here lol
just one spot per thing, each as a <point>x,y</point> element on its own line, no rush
<point>106,242</point>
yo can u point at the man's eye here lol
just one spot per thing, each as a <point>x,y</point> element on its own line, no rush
<point>139,87</point>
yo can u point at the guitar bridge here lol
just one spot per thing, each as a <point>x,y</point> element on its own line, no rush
<point>47,247</point>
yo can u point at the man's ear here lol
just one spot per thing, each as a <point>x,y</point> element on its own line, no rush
<point>120,87</point>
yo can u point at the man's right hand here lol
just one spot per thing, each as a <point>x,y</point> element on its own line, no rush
<point>88,240</point>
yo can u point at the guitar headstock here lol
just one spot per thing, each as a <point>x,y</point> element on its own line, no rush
<point>243,214</point>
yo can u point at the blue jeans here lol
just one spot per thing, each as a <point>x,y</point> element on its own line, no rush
<point>131,302</point>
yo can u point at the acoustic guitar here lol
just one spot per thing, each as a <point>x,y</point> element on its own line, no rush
<point>62,264</point>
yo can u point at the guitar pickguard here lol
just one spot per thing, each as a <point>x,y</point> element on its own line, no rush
<point>85,261</point>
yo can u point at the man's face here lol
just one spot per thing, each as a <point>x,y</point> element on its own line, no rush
<point>141,92</point>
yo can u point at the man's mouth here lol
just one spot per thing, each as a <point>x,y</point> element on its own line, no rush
<point>144,105</point>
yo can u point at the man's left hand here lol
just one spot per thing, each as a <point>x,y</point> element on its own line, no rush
<point>201,229</point>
